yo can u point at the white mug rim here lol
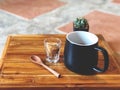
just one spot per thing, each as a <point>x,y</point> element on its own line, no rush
<point>82,32</point>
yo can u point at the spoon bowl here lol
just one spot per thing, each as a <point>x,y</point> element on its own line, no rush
<point>36,59</point>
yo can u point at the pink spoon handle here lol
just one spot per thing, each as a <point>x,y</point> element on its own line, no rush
<point>51,70</point>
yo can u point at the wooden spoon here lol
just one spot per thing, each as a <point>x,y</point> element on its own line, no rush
<point>37,60</point>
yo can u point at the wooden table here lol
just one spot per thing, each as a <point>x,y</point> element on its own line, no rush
<point>18,72</point>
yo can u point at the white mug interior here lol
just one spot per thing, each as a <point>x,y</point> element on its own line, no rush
<point>82,38</point>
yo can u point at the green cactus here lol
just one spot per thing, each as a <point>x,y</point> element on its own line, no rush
<point>81,23</point>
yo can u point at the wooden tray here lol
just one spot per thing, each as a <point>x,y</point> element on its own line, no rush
<point>18,70</point>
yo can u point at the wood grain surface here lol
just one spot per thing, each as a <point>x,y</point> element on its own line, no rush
<point>17,71</point>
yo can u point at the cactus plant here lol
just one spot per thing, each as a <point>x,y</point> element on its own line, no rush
<point>80,24</point>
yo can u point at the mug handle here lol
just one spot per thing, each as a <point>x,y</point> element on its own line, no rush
<point>106,60</point>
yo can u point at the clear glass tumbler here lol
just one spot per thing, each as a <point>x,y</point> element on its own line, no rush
<point>52,48</point>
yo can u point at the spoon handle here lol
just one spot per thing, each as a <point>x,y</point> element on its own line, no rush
<point>51,70</point>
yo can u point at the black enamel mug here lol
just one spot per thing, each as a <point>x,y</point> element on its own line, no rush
<point>81,53</point>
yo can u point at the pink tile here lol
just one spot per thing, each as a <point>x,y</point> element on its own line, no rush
<point>116,1</point>
<point>29,8</point>
<point>102,23</point>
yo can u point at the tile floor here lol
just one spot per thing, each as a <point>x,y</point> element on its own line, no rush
<point>56,16</point>
<point>116,1</point>
<point>29,8</point>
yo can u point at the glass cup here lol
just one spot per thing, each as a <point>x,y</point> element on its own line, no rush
<point>52,48</point>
